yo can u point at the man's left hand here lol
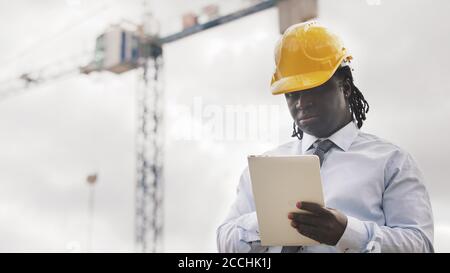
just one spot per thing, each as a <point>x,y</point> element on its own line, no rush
<point>325,225</point>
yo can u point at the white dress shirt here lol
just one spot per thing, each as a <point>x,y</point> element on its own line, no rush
<point>375,183</point>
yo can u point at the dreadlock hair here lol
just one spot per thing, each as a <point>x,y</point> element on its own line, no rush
<point>358,105</point>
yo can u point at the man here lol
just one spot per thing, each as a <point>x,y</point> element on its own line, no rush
<point>374,192</point>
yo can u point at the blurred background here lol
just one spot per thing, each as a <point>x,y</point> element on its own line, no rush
<point>125,125</point>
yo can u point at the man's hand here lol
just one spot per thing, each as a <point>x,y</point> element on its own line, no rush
<point>321,224</point>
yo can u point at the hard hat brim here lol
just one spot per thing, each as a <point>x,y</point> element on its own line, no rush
<point>302,82</point>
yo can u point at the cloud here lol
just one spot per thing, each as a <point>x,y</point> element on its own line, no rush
<point>52,137</point>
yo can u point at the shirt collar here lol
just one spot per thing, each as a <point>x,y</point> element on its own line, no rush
<point>343,138</point>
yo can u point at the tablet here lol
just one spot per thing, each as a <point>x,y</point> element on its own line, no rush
<point>278,183</point>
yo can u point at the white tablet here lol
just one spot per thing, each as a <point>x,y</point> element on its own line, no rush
<point>278,183</point>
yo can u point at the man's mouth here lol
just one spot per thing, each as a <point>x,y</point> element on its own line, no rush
<point>306,120</point>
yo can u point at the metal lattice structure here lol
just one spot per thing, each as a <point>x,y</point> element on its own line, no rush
<point>149,160</point>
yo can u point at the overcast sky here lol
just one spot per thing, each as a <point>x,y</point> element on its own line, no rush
<point>57,133</point>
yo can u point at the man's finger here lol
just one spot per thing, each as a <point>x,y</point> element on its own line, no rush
<point>311,207</point>
<point>306,218</point>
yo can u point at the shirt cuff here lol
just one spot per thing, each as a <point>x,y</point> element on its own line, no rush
<point>355,237</point>
<point>248,227</point>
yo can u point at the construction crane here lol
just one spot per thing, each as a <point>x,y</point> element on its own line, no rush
<point>119,50</point>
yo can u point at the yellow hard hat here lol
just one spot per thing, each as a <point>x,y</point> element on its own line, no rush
<point>306,56</point>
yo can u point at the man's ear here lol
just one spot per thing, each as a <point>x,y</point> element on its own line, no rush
<point>347,88</point>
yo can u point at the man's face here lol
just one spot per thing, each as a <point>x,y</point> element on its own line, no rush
<point>322,110</point>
